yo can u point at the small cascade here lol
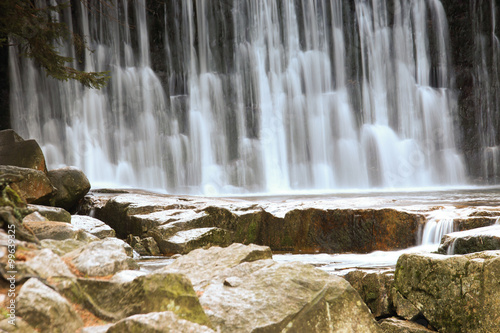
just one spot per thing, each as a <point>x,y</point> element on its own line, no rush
<point>435,229</point>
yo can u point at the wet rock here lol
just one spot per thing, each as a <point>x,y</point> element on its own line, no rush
<point>52,213</point>
<point>474,240</point>
<point>244,292</point>
<point>71,184</point>
<point>185,241</point>
<point>93,226</point>
<point>32,185</point>
<point>374,289</point>
<point>16,151</point>
<point>395,325</point>
<point>157,322</point>
<point>44,264</point>
<point>454,293</point>
<point>46,310</point>
<point>404,308</point>
<point>102,258</point>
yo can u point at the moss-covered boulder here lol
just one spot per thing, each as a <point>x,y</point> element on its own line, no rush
<point>454,293</point>
<point>71,184</point>
<point>32,185</point>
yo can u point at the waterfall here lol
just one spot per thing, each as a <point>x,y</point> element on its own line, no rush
<point>236,96</point>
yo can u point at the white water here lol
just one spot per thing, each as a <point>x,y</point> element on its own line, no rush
<point>290,98</point>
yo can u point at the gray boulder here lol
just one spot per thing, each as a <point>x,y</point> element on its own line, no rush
<point>454,293</point>
<point>32,185</point>
<point>93,226</point>
<point>62,247</point>
<point>103,257</point>
<point>44,309</point>
<point>44,264</point>
<point>52,213</point>
<point>157,322</point>
<point>57,231</point>
<point>243,293</point>
<point>16,151</point>
<point>185,241</point>
<point>71,184</point>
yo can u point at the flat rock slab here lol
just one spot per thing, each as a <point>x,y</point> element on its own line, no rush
<point>44,264</point>
<point>52,213</point>
<point>395,325</point>
<point>242,291</point>
<point>102,258</point>
<point>459,293</point>
<point>474,240</point>
<point>93,226</point>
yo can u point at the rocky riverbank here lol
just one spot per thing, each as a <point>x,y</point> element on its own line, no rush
<point>63,272</point>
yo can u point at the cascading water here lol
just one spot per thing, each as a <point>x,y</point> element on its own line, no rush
<point>252,96</point>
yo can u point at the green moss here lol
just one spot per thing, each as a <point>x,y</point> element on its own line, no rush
<point>252,232</point>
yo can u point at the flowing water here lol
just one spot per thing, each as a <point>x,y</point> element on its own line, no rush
<point>242,96</point>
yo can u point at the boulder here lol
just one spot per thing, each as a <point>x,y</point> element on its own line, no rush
<point>16,151</point>
<point>395,325</point>
<point>375,290</point>
<point>242,291</point>
<point>57,231</point>
<point>93,226</point>
<point>122,297</point>
<point>454,293</point>
<point>46,310</point>
<point>404,308</point>
<point>52,213</point>
<point>44,264</point>
<point>157,322</point>
<point>151,246</point>
<point>102,258</point>
<point>474,240</point>
<point>71,184</point>
<point>32,185</point>
<point>10,216</point>
<point>96,329</point>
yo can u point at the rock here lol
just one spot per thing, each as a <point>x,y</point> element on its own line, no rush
<point>34,217</point>
<point>20,153</point>
<point>93,226</point>
<point>395,325</point>
<point>52,213</point>
<point>157,322</point>
<point>20,327</point>
<point>96,329</point>
<point>374,289</point>
<point>150,245</point>
<point>185,241</point>
<point>10,216</point>
<point>155,292</point>
<point>71,184</point>
<point>44,264</point>
<point>61,247</point>
<point>242,291</point>
<point>136,244</point>
<point>404,308</point>
<point>46,310</point>
<point>57,231</point>
<point>31,185</point>
<point>102,258</point>
<point>454,293</point>
<point>474,240</point>
<point>126,276</point>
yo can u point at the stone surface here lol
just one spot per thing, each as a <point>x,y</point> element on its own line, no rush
<point>44,264</point>
<point>242,291</point>
<point>374,289</point>
<point>185,241</point>
<point>93,226</point>
<point>71,184</point>
<point>32,185</point>
<point>57,231</point>
<point>16,151</point>
<point>61,247</point>
<point>404,308</point>
<point>395,325</point>
<point>151,246</point>
<point>20,327</point>
<point>288,228</point>
<point>121,298</point>
<point>474,240</point>
<point>157,322</point>
<point>46,310</point>
<point>52,213</point>
<point>102,258</point>
<point>454,293</point>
